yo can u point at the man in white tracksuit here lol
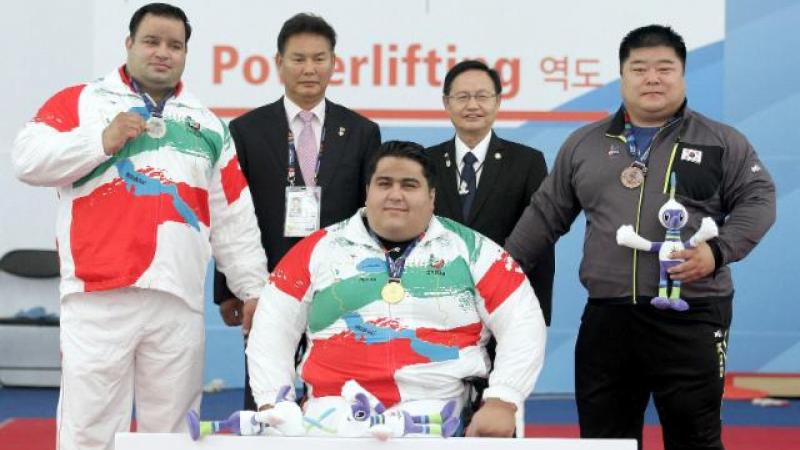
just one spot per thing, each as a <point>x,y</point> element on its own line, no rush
<point>401,302</point>
<point>149,187</point>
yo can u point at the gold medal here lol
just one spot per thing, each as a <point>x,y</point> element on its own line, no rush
<point>393,292</point>
<point>632,177</point>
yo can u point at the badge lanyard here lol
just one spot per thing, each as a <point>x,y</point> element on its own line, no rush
<point>291,174</point>
<point>641,156</point>
<point>633,176</point>
<point>156,109</point>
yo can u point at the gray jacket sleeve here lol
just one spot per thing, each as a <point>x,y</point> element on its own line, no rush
<point>551,211</point>
<point>748,198</point>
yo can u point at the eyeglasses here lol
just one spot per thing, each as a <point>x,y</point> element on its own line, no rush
<point>462,98</point>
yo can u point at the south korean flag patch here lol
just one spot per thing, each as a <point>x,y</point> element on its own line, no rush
<point>692,155</point>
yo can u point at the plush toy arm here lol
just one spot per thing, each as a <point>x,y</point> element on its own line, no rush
<point>708,229</point>
<point>242,423</point>
<point>628,238</point>
<point>285,417</point>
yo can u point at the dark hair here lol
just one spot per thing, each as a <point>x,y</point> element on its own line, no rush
<point>305,23</point>
<point>403,149</point>
<point>471,64</point>
<point>652,36</point>
<point>161,10</point>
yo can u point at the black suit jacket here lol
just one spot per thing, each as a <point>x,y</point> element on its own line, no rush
<point>511,173</point>
<point>262,146</point>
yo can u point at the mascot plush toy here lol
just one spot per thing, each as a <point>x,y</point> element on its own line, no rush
<point>252,423</point>
<point>673,217</point>
<point>356,413</point>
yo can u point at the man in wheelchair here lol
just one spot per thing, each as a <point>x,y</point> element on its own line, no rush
<point>403,303</point>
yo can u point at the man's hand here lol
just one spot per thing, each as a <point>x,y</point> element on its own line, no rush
<point>231,311</point>
<point>699,262</point>
<point>494,419</point>
<point>248,310</point>
<point>123,128</point>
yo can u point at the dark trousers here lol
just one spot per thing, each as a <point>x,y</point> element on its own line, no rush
<point>625,353</point>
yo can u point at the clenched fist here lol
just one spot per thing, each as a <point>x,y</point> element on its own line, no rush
<point>495,418</point>
<point>123,128</point>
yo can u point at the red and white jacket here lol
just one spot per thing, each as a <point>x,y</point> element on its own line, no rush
<point>460,288</point>
<point>151,215</point>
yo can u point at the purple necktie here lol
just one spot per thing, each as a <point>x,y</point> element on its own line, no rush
<point>307,149</point>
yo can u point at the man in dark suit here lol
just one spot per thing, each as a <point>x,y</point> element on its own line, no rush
<point>301,147</point>
<point>483,181</point>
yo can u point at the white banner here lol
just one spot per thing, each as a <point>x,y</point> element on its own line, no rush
<point>392,56</point>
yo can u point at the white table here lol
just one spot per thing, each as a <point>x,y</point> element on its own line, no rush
<point>164,441</point>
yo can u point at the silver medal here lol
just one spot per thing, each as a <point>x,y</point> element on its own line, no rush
<point>156,127</point>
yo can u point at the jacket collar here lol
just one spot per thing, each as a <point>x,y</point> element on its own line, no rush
<point>354,230</point>
<point>617,125</point>
<point>119,82</point>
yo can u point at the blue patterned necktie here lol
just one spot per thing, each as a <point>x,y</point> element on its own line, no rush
<point>468,184</point>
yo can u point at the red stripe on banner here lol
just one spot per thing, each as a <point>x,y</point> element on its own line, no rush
<point>233,180</point>
<point>500,281</point>
<point>61,110</point>
<point>435,114</point>
<point>292,275</point>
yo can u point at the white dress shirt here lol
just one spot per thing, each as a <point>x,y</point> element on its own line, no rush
<point>479,151</point>
<point>296,123</point>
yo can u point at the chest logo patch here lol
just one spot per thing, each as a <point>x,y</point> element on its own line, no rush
<point>692,155</point>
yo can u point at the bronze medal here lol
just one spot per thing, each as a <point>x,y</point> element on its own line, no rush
<point>393,292</point>
<point>632,177</point>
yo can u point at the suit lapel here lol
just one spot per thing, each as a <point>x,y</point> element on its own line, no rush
<point>493,167</point>
<point>336,135</point>
<point>276,132</point>
<point>449,185</point>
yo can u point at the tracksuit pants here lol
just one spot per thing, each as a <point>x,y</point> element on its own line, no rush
<point>625,353</point>
<point>124,346</point>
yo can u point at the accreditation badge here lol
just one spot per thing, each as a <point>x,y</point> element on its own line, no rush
<point>302,210</point>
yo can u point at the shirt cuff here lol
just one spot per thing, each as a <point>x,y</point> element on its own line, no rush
<point>505,394</point>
